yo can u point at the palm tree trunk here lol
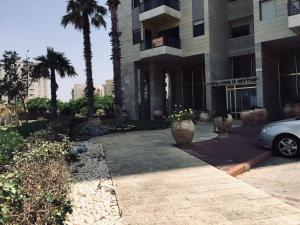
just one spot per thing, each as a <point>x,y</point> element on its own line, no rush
<point>116,57</point>
<point>88,67</point>
<point>53,95</point>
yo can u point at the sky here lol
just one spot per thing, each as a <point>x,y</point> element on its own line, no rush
<point>34,25</point>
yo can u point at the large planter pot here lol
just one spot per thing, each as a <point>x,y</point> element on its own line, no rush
<point>224,124</point>
<point>183,131</point>
<point>204,116</point>
<point>296,110</point>
<point>248,117</point>
<point>95,122</point>
<point>158,113</point>
<point>288,110</point>
<point>261,114</point>
<point>125,115</point>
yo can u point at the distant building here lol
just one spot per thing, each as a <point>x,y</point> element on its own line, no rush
<point>38,89</point>
<point>108,87</point>
<point>78,91</point>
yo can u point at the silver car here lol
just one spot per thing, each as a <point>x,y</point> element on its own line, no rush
<point>282,136</point>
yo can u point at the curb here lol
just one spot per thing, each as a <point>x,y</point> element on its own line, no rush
<point>243,167</point>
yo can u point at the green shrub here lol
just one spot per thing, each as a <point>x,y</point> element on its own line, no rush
<point>10,143</point>
<point>66,109</point>
<point>38,105</point>
<point>28,128</point>
<point>11,195</point>
<point>36,189</point>
<point>105,103</point>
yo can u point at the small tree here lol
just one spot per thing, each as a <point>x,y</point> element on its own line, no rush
<point>83,14</point>
<point>47,67</point>
<point>17,79</point>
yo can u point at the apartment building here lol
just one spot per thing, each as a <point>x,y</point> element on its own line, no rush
<point>108,87</point>
<point>38,89</point>
<point>209,54</point>
<point>78,91</point>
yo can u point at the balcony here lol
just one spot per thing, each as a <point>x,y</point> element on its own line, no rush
<point>241,46</point>
<point>160,11</point>
<point>161,46</point>
<point>294,15</point>
<point>239,9</point>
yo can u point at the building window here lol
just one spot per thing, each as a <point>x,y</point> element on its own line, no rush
<point>240,31</point>
<point>198,28</point>
<point>136,34</point>
<point>267,9</point>
<point>135,3</point>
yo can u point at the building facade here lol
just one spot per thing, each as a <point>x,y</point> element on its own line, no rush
<point>78,91</point>
<point>38,89</point>
<point>108,87</point>
<point>209,54</point>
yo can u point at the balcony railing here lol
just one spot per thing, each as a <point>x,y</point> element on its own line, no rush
<point>173,42</point>
<point>239,9</point>
<point>151,4</point>
<point>293,7</point>
<point>241,45</point>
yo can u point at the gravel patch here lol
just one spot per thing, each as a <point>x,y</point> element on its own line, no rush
<point>92,189</point>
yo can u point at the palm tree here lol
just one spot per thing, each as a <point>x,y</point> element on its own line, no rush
<point>83,14</point>
<point>116,57</point>
<point>47,66</point>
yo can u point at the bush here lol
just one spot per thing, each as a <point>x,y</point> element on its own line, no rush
<point>105,103</point>
<point>10,142</point>
<point>28,128</point>
<point>38,105</point>
<point>35,190</point>
<point>66,109</point>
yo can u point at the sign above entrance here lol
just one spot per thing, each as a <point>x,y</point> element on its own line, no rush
<point>248,80</point>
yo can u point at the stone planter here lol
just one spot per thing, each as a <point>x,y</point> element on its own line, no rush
<point>158,113</point>
<point>296,110</point>
<point>125,115</point>
<point>224,124</point>
<point>261,114</point>
<point>183,131</point>
<point>204,116</point>
<point>95,122</point>
<point>288,110</point>
<point>248,117</point>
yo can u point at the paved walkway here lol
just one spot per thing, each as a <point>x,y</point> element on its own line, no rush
<point>228,151</point>
<point>278,177</point>
<point>156,183</point>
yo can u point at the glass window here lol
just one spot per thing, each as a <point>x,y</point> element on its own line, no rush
<point>288,85</point>
<point>198,28</point>
<point>136,36</point>
<point>135,3</point>
<point>267,9</point>
<point>242,66</point>
<point>287,61</point>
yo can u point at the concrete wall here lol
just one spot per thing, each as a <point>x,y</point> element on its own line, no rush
<point>274,28</point>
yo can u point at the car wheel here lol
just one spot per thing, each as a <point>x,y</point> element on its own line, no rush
<point>287,145</point>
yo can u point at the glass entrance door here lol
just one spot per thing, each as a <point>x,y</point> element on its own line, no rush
<point>240,98</point>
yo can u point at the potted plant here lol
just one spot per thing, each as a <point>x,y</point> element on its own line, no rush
<point>204,116</point>
<point>248,117</point>
<point>158,113</point>
<point>261,114</point>
<point>223,121</point>
<point>183,128</point>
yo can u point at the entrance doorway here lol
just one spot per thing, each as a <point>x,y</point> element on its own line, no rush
<point>239,98</point>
